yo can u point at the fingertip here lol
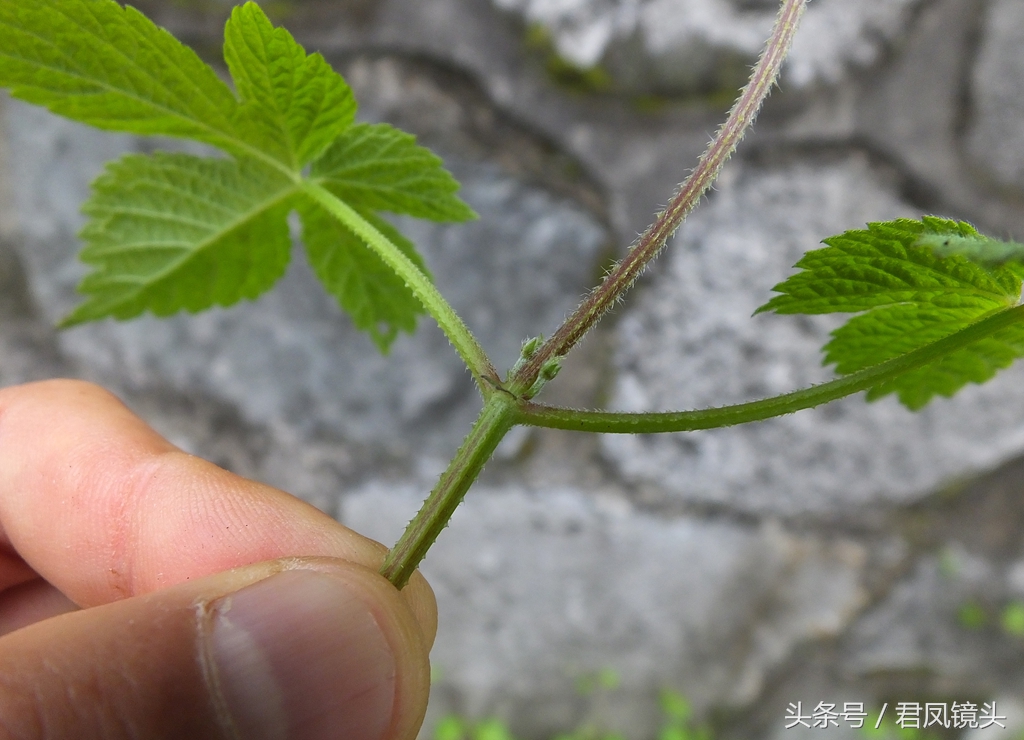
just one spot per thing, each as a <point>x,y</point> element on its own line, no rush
<point>423,603</point>
<point>132,512</point>
<point>299,647</point>
<point>42,402</point>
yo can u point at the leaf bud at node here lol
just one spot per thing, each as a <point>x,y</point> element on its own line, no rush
<point>530,347</point>
<point>550,368</point>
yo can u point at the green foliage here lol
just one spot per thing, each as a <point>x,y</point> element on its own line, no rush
<point>906,297</point>
<point>175,232</point>
<point>379,167</point>
<point>98,63</point>
<point>674,706</point>
<point>679,724</point>
<point>936,303</point>
<point>1012,619</point>
<point>366,288</point>
<point>453,727</point>
<point>570,76</point>
<point>491,729</point>
<point>677,718</point>
<point>976,247</point>
<point>972,616</point>
<point>292,105</point>
<point>588,733</point>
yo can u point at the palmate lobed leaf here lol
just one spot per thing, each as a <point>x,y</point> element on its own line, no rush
<point>366,288</point>
<point>976,247</point>
<point>293,105</point>
<point>906,296</point>
<point>380,167</point>
<point>97,63</point>
<point>173,232</point>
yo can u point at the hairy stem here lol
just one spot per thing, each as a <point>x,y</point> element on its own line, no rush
<point>687,421</point>
<point>502,408</point>
<point>496,418</point>
<point>625,273</point>
<point>451,324</point>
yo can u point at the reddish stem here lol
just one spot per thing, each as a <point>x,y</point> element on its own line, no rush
<point>625,273</point>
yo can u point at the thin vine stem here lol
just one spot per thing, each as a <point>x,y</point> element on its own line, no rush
<point>534,414</point>
<point>625,273</point>
<point>451,324</point>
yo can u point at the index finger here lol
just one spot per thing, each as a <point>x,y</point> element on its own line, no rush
<point>104,508</point>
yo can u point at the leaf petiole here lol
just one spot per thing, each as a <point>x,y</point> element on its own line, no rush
<point>435,304</point>
<point>611,422</point>
<point>502,411</point>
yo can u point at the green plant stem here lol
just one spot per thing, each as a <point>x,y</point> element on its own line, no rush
<point>451,324</point>
<point>502,408</point>
<point>625,273</point>
<point>497,417</point>
<point>686,421</point>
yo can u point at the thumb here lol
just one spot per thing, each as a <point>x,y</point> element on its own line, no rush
<point>300,648</point>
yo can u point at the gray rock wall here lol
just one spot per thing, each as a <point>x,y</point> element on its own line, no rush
<point>851,553</point>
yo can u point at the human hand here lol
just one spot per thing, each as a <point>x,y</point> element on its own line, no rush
<point>148,593</point>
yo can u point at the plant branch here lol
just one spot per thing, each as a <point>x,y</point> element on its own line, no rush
<point>686,421</point>
<point>451,324</point>
<point>504,405</point>
<point>496,418</point>
<point>625,273</point>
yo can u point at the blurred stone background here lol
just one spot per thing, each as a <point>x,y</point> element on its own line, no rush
<point>851,553</point>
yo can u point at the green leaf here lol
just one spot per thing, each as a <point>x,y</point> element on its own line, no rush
<point>378,167</point>
<point>976,247</point>
<point>293,105</point>
<point>173,231</point>
<point>109,66</point>
<point>365,287</point>
<point>906,297</point>
<point>98,63</point>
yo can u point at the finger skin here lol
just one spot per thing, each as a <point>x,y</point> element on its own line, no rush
<point>135,668</point>
<point>31,602</point>
<point>103,508</point>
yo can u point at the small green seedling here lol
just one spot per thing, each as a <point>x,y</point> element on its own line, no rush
<point>173,232</point>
